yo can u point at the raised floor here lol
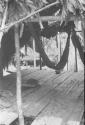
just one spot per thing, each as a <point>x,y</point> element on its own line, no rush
<point>45,95</point>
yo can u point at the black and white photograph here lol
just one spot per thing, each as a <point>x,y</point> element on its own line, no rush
<point>42,62</point>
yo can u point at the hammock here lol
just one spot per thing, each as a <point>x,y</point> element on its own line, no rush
<point>77,44</point>
<point>8,44</point>
<point>64,57</point>
<point>45,58</point>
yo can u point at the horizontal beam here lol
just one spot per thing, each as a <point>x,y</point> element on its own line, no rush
<point>28,16</point>
<point>51,19</point>
<point>54,18</point>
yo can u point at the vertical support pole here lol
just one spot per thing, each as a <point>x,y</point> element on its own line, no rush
<point>68,61</point>
<point>1,67</point>
<point>76,66</point>
<point>34,53</point>
<point>58,46</point>
<point>25,49</point>
<point>60,49</point>
<point>67,65</point>
<point>42,38</point>
<point>40,62</point>
<point>57,41</point>
<point>3,22</point>
<point>84,39</point>
<point>18,82</point>
<point>83,31</point>
<point>26,54</point>
<point>1,35</point>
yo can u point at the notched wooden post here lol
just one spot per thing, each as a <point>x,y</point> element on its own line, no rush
<point>18,79</point>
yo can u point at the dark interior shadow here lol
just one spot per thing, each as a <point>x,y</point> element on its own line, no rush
<point>27,121</point>
<point>31,83</point>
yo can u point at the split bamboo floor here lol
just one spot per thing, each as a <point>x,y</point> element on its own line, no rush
<point>46,94</point>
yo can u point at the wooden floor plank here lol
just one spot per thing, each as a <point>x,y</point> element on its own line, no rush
<point>73,85</point>
<point>38,95</point>
<point>62,107</point>
<point>58,95</point>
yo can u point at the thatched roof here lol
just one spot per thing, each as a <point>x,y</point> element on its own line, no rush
<point>21,8</point>
<point>8,46</point>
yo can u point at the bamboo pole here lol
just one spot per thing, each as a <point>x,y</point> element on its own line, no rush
<point>1,67</point>
<point>83,31</point>
<point>3,23</point>
<point>57,48</point>
<point>68,63</point>
<point>40,55</point>
<point>34,54</point>
<point>40,62</point>
<point>25,49</point>
<point>18,80</point>
<point>75,66</point>
<point>60,49</point>
<point>26,63</point>
<point>1,35</point>
<point>59,55</point>
<point>67,66</point>
<point>57,40</point>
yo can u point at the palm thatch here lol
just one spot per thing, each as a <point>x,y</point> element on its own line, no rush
<point>34,29</point>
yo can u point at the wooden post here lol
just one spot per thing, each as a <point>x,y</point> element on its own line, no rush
<point>57,41</point>
<point>1,67</point>
<point>67,65</point>
<point>34,53</point>
<point>3,22</point>
<point>75,66</point>
<point>68,61</point>
<point>42,38</point>
<point>58,46</point>
<point>25,49</point>
<point>60,49</point>
<point>26,54</point>
<point>40,62</point>
<point>83,31</point>
<point>18,82</point>
<point>1,35</point>
<point>84,39</point>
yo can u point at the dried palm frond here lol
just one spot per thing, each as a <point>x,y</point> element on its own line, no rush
<point>19,9</point>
